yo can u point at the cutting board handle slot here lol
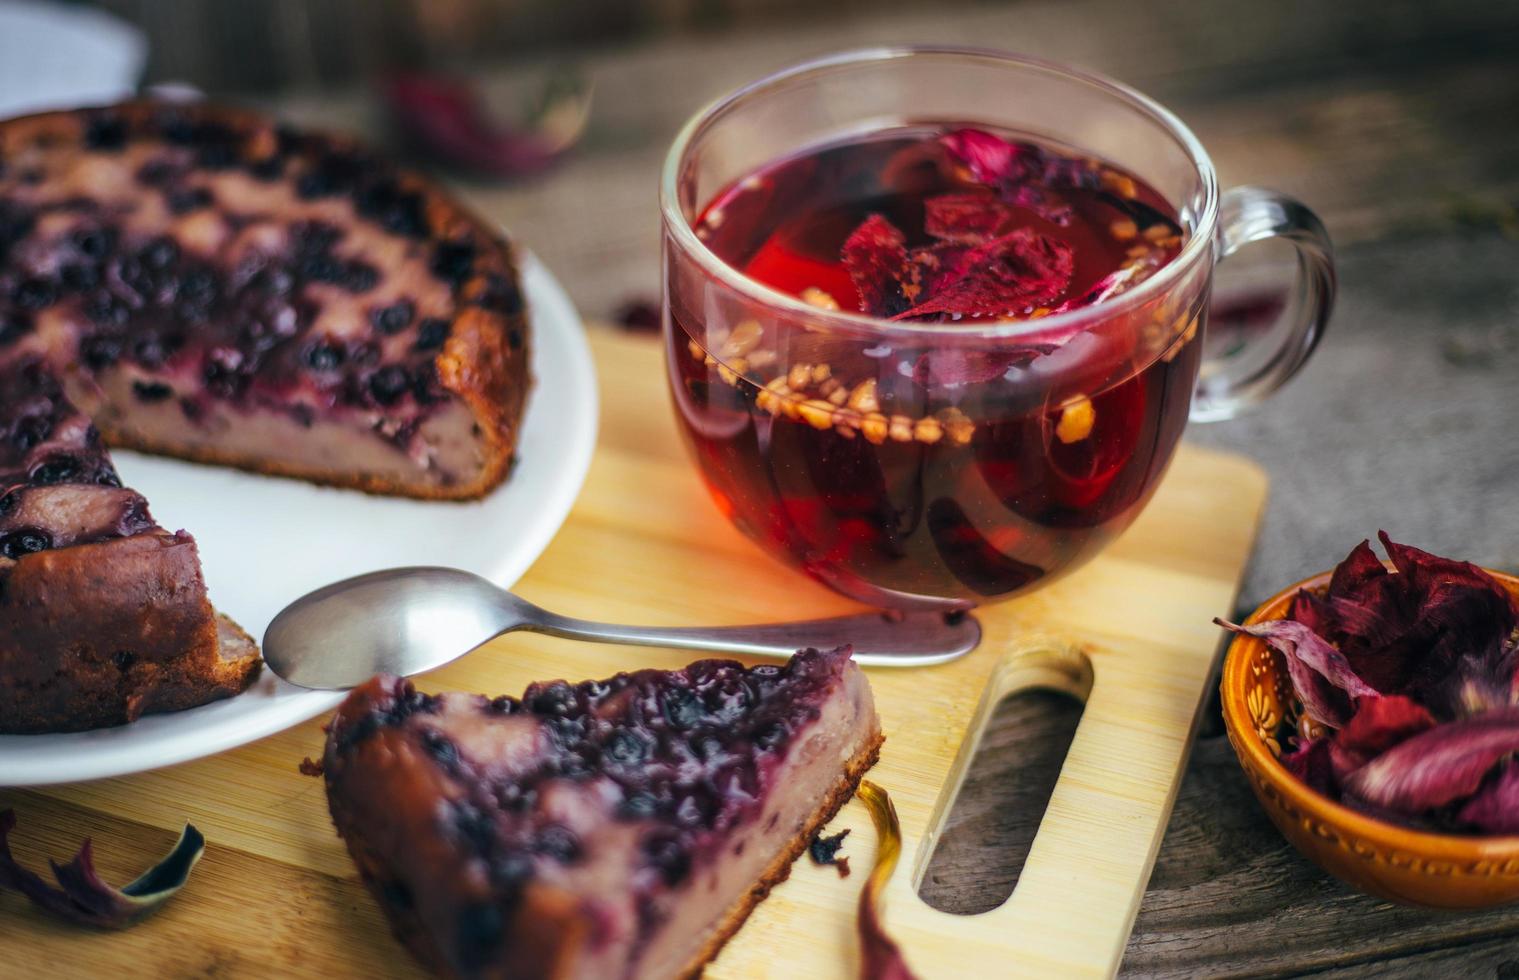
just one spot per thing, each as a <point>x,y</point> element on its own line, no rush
<point>1035,662</point>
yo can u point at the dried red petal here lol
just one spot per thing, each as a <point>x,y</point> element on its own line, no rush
<point>1321,676</point>
<point>1378,725</point>
<point>446,118</point>
<point>1437,767</point>
<point>1312,765</point>
<point>990,159</point>
<point>1436,629</point>
<point>1003,276</point>
<point>967,218</point>
<point>1495,808</point>
<point>875,254</point>
<point>880,956</point>
<point>82,897</point>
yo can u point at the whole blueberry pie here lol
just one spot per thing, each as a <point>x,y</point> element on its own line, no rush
<point>617,828</point>
<point>209,284</point>
<point>103,614</point>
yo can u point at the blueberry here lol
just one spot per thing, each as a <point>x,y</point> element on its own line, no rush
<point>514,338</point>
<point>186,200</point>
<point>441,748</point>
<point>359,277</point>
<point>392,319</point>
<point>557,698</point>
<point>626,748</point>
<point>324,356</point>
<point>681,708</point>
<point>94,243</point>
<point>770,736</point>
<point>274,281</point>
<point>401,212</point>
<point>148,350</point>
<point>197,286</point>
<point>269,168</point>
<point>431,334</point>
<point>100,350</point>
<point>54,470</point>
<point>389,383</point>
<point>160,253</point>
<point>470,823</point>
<point>13,326</point>
<point>152,391</point>
<point>501,295</point>
<point>79,278</point>
<point>155,173</point>
<point>106,133</point>
<point>637,806</point>
<point>107,310</point>
<point>667,856</point>
<point>31,431</point>
<point>34,294</point>
<point>24,541</point>
<point>216,156</point>
<point>558,843</point>
<point>322,268</point>
<point>508,871</point>
<point>453,261</point>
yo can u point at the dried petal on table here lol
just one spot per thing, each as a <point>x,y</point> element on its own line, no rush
<point>447,119</point>
<point>83,898</point>
<point>880,957</point>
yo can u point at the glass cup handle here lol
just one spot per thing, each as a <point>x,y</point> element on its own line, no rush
<point>1253,214</point>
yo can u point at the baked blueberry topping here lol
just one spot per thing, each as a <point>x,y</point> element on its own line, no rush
<point>13,326</point>
<point>34,294</point>
<point>152,391</point>
<point>25,541</point>
<point>431,334</point>
<point>453,261</point>
<point>105,133</point>
<point>185,200</point>
<point>392,319</point>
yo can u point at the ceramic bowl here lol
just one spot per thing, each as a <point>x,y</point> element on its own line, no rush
<point>1383,859</point>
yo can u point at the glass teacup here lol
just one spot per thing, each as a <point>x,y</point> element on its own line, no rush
<point>911,464</point>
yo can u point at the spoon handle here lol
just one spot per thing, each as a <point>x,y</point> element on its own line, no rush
<point>879,639</point>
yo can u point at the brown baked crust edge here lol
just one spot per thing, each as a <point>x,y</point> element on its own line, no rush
<point>478,364</point>
<point>780,869</point>
<point>150,604</point>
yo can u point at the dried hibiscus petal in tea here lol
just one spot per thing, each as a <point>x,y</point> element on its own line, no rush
<point>1412,673</point>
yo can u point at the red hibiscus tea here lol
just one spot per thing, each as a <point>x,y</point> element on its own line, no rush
<point>996,426</point>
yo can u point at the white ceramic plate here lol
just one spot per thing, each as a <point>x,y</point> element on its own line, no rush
<point>266,541</point>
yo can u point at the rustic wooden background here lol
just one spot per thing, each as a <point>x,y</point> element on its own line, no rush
<point>1396,121</point>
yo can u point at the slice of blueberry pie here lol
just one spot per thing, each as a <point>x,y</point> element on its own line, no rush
<point>617,828</point>
<point>103,614</point>
<point>211,285</point>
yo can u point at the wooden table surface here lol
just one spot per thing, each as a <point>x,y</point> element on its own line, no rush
<point>1396,122</point>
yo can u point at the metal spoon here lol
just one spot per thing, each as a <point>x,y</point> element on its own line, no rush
<point>409,620</point>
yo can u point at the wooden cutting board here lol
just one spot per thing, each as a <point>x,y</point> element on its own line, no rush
<point>276,894</point>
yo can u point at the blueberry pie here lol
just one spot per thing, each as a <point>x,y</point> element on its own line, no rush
<point>616,828</point>
<point>211,285</point>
